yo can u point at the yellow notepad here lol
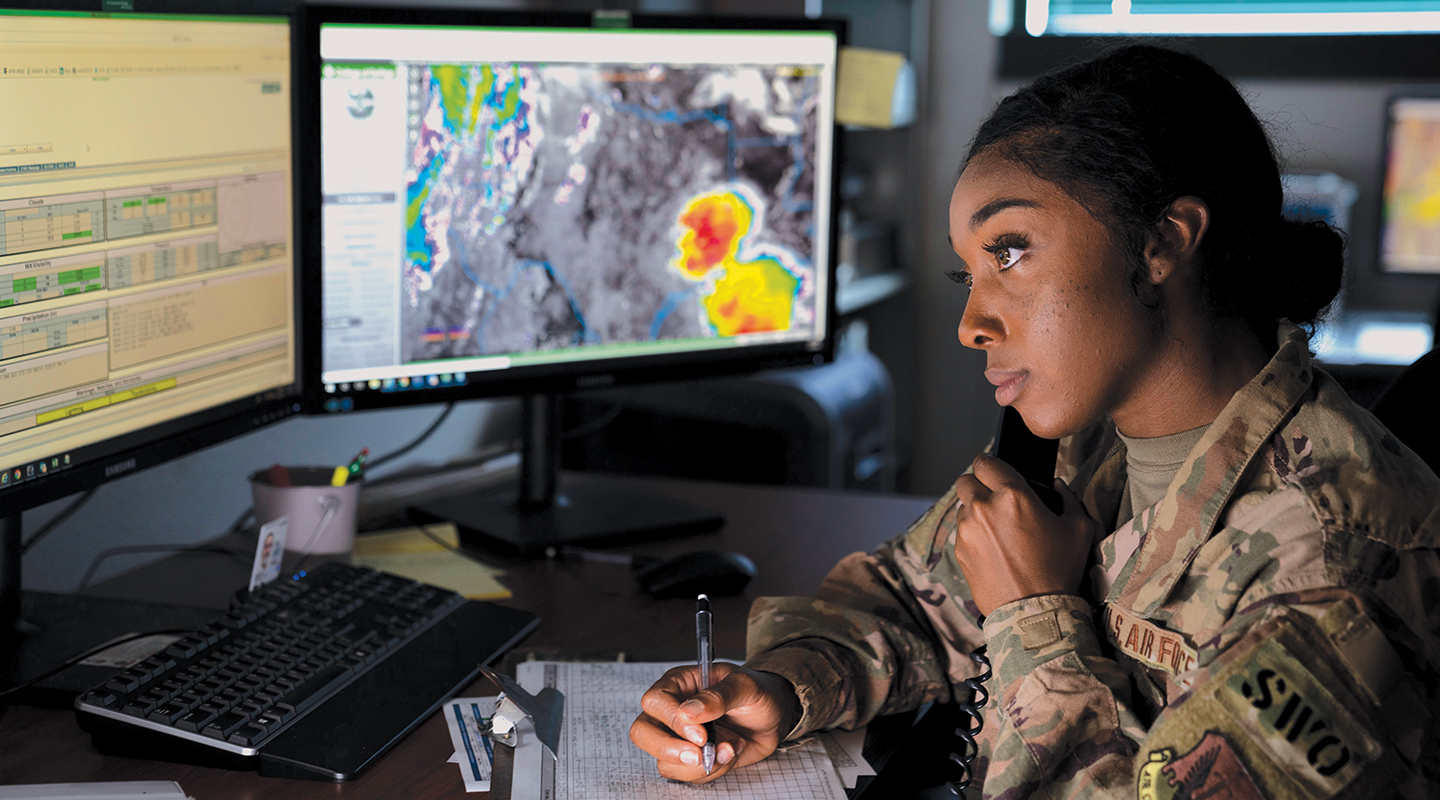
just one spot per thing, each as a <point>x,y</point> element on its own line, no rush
<point>865,87</point>
<point>412,554</point>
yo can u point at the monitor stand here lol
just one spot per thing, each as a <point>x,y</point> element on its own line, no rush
<point>40,631</point>
<point>550,511</point>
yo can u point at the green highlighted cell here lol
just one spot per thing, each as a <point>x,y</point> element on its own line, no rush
<point>73,276</point>
<point>78,275</point>
<point>156,201</point>
<point>132,204</point>
<point>75,235</point>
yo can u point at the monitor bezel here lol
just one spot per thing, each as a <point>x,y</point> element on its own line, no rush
<point>530,379</point>
<point>132,452</point>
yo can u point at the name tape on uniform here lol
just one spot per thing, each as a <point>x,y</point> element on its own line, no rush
<point>1147,642</point>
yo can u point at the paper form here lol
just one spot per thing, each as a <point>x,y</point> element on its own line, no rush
<point>597,761</point>
<point>464,716</point>
<point>846,749</point>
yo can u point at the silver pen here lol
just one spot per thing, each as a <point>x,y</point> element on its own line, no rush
<point>705,655</point>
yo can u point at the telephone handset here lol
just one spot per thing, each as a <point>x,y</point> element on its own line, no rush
<point>1034,458</point>
<point>1031,456</point>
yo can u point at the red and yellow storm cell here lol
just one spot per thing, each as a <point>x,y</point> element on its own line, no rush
<point>750,296</point>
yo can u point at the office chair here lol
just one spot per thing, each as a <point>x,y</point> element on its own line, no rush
<point>1409,408</point>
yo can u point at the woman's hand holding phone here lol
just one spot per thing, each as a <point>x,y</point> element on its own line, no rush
<point>1009,545</point>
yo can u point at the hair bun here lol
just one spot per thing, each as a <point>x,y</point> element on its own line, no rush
<point>1303,274</point>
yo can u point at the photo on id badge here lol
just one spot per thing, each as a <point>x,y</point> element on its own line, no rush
<point>269,549</point>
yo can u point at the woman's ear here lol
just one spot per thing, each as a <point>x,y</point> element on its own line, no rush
<point>1176,242</point>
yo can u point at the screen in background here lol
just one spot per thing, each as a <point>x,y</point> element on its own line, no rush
<point>1410,234</point>
<point>146,269</point>
<point>1211,18</point>
<point>499,199</point>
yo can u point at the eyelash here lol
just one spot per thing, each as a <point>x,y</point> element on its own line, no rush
<point>959,276</point>
<point>1001,246</point>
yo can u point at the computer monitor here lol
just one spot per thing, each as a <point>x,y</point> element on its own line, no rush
<point>535,203</point>
<point>147,280</point>
<point>1410,210</point>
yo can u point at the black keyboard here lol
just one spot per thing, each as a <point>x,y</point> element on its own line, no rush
<point>308,678</point>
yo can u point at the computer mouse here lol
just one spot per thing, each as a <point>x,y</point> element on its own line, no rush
<point>702,572</point>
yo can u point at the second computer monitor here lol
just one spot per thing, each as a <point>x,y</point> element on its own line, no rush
<point>1410,235</point>
<point>531,204</point>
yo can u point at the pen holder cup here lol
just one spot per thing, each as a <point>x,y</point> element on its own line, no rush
<point>322,517</point>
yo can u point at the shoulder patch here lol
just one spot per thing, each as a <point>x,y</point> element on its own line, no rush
<point>1305,730</point>
<point>1211,770</point>
<point>1285,703</point>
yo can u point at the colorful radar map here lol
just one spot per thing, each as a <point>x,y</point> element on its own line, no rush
<point>1411,236</point>
<point>558,206</point>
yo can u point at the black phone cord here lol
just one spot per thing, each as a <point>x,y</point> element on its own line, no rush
<point>974,722</point>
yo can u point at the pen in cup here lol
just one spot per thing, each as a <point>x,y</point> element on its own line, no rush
<point>357,464</point>
<point>705,655</point>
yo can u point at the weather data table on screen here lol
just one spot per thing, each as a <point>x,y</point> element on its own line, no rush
<point>575,194</point>
<point>146,240</point>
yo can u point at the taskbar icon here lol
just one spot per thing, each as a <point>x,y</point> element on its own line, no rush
<point>34,470</point>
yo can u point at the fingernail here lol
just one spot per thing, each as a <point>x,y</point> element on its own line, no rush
<point>726,753</point>
<point>695,734</point>
<point>692,707</point>
<point>690,757</point>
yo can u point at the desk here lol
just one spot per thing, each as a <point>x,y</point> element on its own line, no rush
<point>794,536</point>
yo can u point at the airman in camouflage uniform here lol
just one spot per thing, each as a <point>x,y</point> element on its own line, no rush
<point>1271,628</point>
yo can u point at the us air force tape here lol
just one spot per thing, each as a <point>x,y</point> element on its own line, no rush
<point>1147,642</point>
<point>1279,717</point>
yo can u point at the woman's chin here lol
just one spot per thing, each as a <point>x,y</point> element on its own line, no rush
<point>1048,423</point>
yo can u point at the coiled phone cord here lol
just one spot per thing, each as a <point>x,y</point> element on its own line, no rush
<point>974,722</point>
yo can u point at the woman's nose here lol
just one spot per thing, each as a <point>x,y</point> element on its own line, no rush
<point>980,326</point>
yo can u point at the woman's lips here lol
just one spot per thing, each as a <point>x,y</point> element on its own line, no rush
<point>1008,383</point>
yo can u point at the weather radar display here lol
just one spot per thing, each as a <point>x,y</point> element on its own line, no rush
<point>508,197</point>
<point>554,206</point>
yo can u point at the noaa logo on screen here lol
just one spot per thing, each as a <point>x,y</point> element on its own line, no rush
<point>362,103</point>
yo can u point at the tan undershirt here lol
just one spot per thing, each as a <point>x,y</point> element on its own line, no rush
<point>1151,465</point>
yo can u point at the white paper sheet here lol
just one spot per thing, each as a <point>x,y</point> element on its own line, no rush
<point>473,750</point>
<point>846,750</point>
<point>598,762</point>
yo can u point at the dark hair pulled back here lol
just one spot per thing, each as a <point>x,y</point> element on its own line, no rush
<point>1130,131</point>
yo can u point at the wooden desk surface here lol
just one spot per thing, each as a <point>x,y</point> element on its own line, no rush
<point>793,535</point>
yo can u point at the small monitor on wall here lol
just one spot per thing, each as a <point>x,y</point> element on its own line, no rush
<point>1410,233</point>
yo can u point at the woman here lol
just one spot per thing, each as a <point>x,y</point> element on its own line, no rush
<point>1243,592</point>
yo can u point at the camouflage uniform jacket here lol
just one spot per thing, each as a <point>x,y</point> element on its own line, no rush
<point>1270,628</point>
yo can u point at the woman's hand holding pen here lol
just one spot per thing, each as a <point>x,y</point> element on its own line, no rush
<point>751,711</point>
<point>1009,545</point>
